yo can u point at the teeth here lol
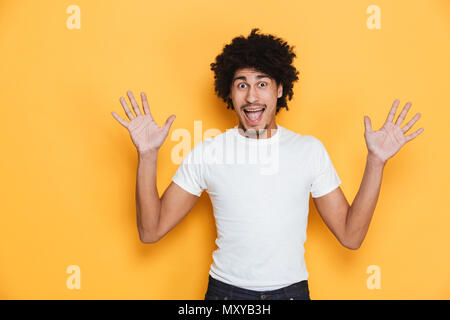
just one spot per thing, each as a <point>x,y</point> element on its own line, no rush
<point>254,110</point>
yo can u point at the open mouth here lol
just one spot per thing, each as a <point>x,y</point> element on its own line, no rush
<point>254,115</point>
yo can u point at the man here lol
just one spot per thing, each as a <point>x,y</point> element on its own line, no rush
<point>261,215</point>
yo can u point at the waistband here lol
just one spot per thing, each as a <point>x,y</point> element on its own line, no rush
<point>231,288</point>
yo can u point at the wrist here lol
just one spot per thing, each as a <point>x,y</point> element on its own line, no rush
<point>148,155</point>
<point>374,160</point>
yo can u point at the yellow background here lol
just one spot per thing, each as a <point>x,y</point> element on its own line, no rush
<point>68,168</point>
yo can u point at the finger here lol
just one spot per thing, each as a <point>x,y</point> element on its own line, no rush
<point>410,123</point>
<point>367,124</point>
<point>168,123</point>
<point>403,114</point>
<point>391,114</point>
<point>413,135</point>
<point>122,122</point>
<point>145,105</point>
<point>134,103</point>
<point>125,107</point>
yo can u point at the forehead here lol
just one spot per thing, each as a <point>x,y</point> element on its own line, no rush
<point>249,73</point>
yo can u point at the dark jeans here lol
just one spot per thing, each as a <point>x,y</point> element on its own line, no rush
<point>218,290</point>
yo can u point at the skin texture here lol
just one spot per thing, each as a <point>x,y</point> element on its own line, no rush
<point>350,223</point>
<point>251,88</point>
<point>156,215</point>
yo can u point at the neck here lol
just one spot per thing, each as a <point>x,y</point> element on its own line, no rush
<point>263,133</point>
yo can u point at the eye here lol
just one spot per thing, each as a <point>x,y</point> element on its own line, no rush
<point>239,85</point>
<point>265,84</point>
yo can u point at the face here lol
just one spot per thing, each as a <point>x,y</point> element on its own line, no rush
<point>254,95</point>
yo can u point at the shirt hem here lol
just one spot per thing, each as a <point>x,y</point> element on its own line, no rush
<point>254,288</point>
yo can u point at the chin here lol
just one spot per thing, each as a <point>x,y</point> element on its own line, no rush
<point>255,128</point>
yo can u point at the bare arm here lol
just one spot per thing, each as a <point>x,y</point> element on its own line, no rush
<point>350,223</point>
<point>155,215</point>
<point>361,211</point>
<point>382,145</point>
<point>148,203</point>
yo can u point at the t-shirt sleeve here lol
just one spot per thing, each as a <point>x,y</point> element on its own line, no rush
<point>190,173</point>
<point>326,178</point>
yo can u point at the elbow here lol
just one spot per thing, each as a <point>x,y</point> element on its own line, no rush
<point>148,240</point>
<point>352,245</point>
<point>351,241</point>
<point>147,237</point>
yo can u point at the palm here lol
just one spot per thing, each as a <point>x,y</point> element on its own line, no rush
<point>146,134</point>
<point>387,141</point>
<point>144,131</point>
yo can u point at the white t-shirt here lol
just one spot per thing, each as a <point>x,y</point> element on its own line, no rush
<point>259,189</point>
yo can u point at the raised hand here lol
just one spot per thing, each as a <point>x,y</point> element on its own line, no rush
<point>386,142</point>
<point>146,135</point>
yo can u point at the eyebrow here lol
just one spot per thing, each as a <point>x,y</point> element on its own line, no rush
<point>259,76</point>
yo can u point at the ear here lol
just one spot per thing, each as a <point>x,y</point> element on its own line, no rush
<point>280,90</point>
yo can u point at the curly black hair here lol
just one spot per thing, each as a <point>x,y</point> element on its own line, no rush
<point>263,52</point>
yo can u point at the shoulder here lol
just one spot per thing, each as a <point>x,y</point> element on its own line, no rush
<point>203,149</point>
<point>215,141</point>
<point>302,139</point>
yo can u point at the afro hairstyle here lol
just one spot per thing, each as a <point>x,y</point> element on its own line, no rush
<point>263,52</point>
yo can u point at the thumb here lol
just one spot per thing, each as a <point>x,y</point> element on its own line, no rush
<point>169,122</point>
<point>367,123</point>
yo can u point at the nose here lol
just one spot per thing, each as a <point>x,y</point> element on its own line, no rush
<point>252,95</point>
